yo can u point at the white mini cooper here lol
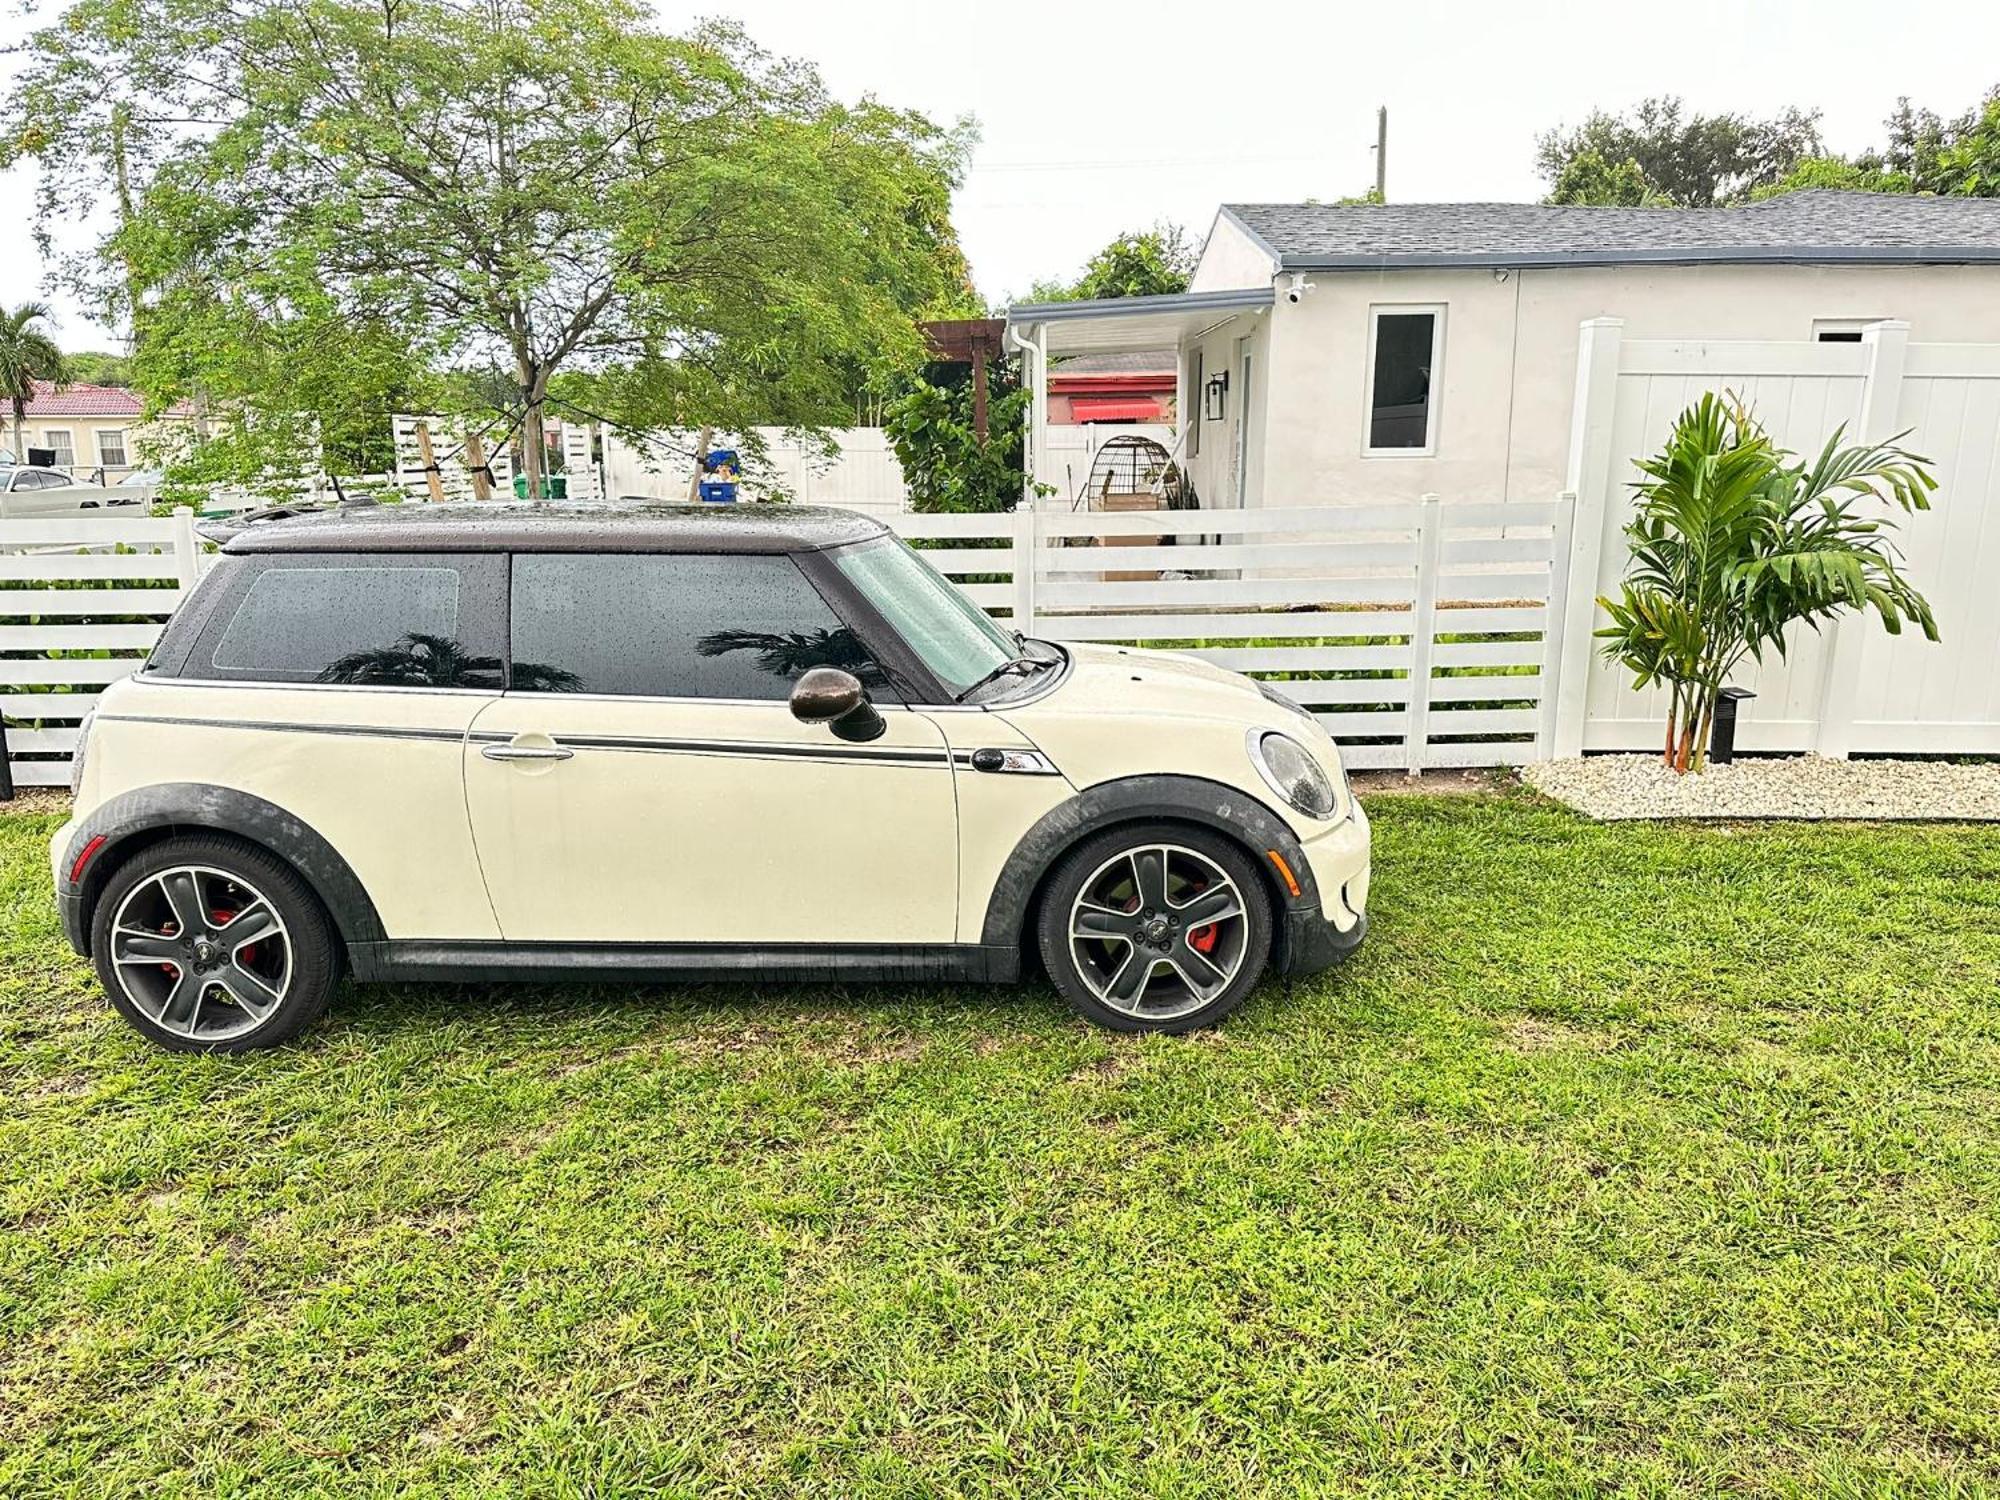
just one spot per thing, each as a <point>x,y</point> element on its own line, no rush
<point>763,742</point>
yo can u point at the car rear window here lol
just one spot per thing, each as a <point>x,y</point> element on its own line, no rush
<point>361,621</point>
<point>667,626</point>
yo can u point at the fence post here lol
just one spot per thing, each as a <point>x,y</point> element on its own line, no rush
<point>1026,558</point>
<point>187,548</point>
<point>1589,479</point>
<point>1887,344</point>
<point>1430,539</point>
<point>1561,540</point>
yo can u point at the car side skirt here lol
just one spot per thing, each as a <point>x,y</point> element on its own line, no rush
<point>416,959</point>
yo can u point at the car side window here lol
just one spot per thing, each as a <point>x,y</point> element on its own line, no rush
<point>359,620</point>
<point>674,626</point>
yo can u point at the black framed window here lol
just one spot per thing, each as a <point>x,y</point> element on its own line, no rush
<point>674,626</point>
<point>1401,405</point>
<point>396,620</point>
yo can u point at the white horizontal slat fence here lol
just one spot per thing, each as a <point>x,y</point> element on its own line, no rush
<point>1418,634</point>
<point>82,600</point>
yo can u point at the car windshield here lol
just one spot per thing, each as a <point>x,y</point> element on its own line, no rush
<point>956,640</point>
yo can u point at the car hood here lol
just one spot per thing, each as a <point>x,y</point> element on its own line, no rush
<point>1127,680</point>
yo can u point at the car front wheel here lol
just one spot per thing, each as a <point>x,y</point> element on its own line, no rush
<point>1155,928</point>
<point>206,944</point>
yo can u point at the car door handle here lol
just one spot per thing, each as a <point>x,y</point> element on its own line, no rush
<point>526,752</point>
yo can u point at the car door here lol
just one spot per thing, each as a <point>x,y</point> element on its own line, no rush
<point>643,780</point>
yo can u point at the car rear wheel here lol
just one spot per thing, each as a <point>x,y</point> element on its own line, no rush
<point>1156,927</point>
<point>206,944</point>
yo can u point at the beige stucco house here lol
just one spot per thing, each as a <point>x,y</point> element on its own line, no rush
<point>90,429</point>
<point>1380,352</point>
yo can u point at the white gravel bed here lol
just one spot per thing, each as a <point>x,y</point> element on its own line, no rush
<point>1614,787</point>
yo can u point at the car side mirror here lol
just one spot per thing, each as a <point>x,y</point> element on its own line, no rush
<point>829,696</point>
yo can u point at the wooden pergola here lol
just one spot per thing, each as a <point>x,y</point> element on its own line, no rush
<point>970,341</point>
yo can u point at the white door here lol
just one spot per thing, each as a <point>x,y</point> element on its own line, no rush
<point>644,781</point>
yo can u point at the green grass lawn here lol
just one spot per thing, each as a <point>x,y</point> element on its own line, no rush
<point>1634,1159</point>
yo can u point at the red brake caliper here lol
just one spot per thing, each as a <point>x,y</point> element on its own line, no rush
<point>223,919</point>
<point>1202,939</point>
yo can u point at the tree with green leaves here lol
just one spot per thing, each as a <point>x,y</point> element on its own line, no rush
<point>1958,157</point>
<point>1864,174</point>
<point>1734,541</point>
<point>1692,160</point>
<point>28,353</point>
<point>522,186</point>
<point>96,367</point>
<point>1151,262</point>
<point>945,465</point>
<point>1588,178</point>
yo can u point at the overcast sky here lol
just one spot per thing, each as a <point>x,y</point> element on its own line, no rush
<point>1098,116</point>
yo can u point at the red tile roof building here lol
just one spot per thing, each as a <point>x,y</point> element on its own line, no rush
<point>76,400</point>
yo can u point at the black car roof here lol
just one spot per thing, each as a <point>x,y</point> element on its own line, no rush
<point>522,526</point>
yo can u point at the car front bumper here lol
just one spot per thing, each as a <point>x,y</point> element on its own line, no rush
<point>1330,919</point>
<point>69,897</point>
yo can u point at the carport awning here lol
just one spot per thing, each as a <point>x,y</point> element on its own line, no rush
<point>1114,323</point>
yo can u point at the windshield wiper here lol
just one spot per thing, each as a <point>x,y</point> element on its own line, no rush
<point>1020,666</point>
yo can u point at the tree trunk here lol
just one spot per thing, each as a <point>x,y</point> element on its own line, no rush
<point>1704,725</point>
<point>20,411</point>
<point>534,391</point>
<point>1673,723</point>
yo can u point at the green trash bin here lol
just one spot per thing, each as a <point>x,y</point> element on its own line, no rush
<point>520,486</point>
<point>558,486</point>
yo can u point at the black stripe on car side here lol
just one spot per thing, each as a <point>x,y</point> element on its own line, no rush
<point>736,747</point>
<point>365,731</point>
<point>573,742</point>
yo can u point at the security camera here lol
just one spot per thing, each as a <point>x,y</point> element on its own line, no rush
<point>1299,287</point>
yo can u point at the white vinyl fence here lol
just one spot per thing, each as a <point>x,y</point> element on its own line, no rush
<point>1855,688</point>
<point>82,600</point>
<point>862,473</point>
<point>1420,634</point>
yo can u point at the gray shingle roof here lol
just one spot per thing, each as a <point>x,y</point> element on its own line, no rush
<point>1822,225</point>
<point>1128,362</point>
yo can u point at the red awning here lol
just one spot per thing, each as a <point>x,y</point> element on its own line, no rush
<point>1114,409</point>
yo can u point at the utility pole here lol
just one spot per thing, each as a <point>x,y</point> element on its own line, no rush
<point>1382,154</point>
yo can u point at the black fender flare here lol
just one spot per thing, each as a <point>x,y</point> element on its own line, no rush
<point>1132,799</point>
<point>192,807</point>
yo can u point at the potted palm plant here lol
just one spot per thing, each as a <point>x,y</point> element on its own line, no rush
<point>1734,540</point>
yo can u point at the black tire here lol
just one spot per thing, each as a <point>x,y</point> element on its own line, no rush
<point>1089,971</point>
<point>297,960</point>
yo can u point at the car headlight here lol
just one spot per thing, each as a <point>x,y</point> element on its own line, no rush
<point>1292,773</point>
<point>76,756</point>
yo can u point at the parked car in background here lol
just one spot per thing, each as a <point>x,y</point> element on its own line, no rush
<point>26,478</point>
<point>34,491</point>
<point>502,741</point>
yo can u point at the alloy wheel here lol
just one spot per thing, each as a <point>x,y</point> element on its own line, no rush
<point>201,952</point>
<point>1158,932</point>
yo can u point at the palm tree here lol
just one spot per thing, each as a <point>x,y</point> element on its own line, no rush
<point>1734,541</point>
<point>27,354</point>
